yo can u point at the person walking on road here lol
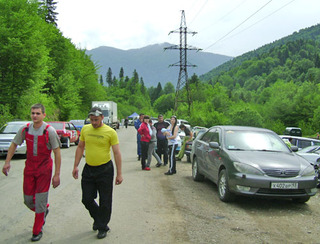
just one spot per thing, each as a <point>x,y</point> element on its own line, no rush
<point>188,137</point>
<point>126,122</point>
<point>145,133</point>
<point>171,134</point>
<point>98,172</point>
<point>137,124</point>
<point>152,147</point>
<point>162,142</point>
<point>41,139</point>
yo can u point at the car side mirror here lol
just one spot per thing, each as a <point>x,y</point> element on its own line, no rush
<point>214,145</point>
<point>294,148</point>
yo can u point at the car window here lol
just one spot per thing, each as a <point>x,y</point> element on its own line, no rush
<point>57,126</point>
<point>207,136</point>
<point>303,143</point>
<point>10,128</point>
<point>77,122</point>
<point>72,127</point>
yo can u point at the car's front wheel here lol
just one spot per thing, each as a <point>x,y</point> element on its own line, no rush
<point>67,145</point>
<point>223,187</point>
<point>195,171</point>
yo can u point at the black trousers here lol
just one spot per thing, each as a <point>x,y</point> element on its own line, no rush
<point>98,179</point>
<point>162,149</point>
<point>172,158</point>
<point>144,153</point>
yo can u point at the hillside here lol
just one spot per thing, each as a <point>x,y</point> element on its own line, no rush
<point>311,33</point>
<point>152,62</point>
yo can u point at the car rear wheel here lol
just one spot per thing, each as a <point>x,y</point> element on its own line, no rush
<point>195,171</point>
<point>223,187</point>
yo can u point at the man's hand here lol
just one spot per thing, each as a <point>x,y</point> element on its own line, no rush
<point>6,168</point>
<point>119,180</point>
<point>75,172</point>
<point>55,181</point>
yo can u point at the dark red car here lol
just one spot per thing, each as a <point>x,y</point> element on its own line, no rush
<point>67,132</point>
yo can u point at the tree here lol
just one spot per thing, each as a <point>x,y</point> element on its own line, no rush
<point>121,74</point>
<point>109,77</point>
<point>48,7</point>
<point>101,80</point>
<point>168,88</point>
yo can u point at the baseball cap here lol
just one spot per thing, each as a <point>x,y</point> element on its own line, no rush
<point>95,111</point>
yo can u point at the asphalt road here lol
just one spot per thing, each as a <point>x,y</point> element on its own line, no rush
<point>150,207</point>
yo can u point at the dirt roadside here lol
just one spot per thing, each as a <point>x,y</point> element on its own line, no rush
<point>150,207</point>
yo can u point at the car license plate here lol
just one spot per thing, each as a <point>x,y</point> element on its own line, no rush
<point>284,185</point>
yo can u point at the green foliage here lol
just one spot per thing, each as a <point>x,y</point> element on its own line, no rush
<point>275,86</point>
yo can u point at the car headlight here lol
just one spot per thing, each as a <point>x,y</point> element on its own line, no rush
<point>309,171</point>
<point>247,169</point>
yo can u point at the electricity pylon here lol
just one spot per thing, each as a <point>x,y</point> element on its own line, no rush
<point>183,64</point>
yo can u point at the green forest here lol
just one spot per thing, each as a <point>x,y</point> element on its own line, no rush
<point>275,86</point>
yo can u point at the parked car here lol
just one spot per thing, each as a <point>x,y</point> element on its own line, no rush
<point>312,154</point>
<point>197,131</point>
<point>78,123</point>
<point>293,131</point>
<point>301,142</point>
<point>7,133</point>
<point>252,162</point>
<point>67,132</point>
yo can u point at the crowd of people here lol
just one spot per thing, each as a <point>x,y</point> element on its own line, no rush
<point>157,140</point>
<point>162,136</point>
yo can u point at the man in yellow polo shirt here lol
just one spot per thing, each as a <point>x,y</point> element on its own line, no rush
<point>97,175</point>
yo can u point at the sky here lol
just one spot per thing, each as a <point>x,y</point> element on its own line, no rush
<point>227,27</point>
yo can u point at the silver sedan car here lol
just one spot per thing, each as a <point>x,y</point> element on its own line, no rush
<point>7,133</point>
<point>251,161</point>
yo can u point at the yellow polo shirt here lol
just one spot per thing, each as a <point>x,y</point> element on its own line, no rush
<point>98,142</point>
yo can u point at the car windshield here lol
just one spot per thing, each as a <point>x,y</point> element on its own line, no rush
<point>254,140</point>
<point>77,122</point>
<point>10,128</point>
<point>57,126</point>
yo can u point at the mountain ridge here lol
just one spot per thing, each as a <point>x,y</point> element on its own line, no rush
<point>152,62</point>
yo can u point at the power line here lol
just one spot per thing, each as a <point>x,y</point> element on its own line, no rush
<point>239,24</point>
<point>262,19</point>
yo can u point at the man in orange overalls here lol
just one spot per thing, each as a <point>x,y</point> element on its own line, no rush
<point>41,139</point>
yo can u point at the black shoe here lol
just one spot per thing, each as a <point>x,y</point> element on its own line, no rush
<point>158,164</point>
<point>165,164</point>
<point>169,173</point>
<point>36,237</point>
<point>139,157</point>
<point>102,234</point>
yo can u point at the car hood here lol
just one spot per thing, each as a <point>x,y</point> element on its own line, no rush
<point>269,159</point>
<point>7,136</point>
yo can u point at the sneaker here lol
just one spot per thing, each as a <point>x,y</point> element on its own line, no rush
<point>158,164</point>
<point>36,237</point>
<point>146,168</point>
<point>169,173</point>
